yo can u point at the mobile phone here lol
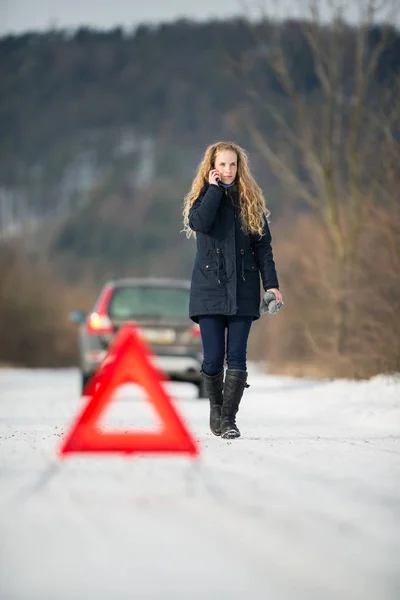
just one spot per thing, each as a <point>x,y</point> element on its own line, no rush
<point>218,178</point>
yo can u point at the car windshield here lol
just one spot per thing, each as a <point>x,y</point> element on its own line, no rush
<point>137,301</point>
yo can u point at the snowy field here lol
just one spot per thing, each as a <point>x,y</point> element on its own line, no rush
<point>305,506</point>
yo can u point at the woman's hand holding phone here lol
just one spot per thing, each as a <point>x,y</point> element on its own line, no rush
<point>214,177</point>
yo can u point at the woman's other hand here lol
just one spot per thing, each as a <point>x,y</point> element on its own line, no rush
<point>277,294</point>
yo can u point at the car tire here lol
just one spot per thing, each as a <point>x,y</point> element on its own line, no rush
<point>84,379</point>
<point>201,390</point>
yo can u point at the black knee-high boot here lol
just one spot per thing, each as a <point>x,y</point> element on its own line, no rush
<point>235,382</point>
<point>214,388</point>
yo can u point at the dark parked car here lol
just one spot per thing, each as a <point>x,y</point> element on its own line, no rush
<point>160,308</point>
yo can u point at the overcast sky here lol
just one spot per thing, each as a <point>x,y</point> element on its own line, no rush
<point>20,15</point>
<point>23,15</point>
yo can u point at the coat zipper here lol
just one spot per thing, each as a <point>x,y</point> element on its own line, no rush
<point>241,251</point>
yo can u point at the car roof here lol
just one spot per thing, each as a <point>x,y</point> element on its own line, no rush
<point>151,281</point>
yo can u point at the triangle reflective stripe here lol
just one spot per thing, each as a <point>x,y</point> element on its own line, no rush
<point>128,360</point>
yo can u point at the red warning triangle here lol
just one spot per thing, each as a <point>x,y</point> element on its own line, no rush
<point>128,360</point>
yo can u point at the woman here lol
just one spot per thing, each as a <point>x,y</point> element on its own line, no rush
<point>226,209</point>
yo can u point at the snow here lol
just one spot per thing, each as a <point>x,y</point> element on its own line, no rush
<point>305,505</point>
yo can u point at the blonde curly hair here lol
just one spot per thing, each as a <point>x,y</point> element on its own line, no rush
<point>252,205</point>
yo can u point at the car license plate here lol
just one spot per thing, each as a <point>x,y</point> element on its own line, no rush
<point>159,336</point>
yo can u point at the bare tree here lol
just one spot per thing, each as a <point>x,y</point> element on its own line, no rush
<point>338,148</point>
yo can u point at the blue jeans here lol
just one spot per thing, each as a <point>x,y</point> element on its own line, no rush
<point>212,329</point>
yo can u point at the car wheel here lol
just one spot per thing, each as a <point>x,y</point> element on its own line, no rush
<point>84,379</point>
<point>201,390</point>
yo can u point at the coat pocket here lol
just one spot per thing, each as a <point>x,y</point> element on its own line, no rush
<point>246,265</point>
<point>250,264</point>
<point>208,265</point>
<point>211,270</point>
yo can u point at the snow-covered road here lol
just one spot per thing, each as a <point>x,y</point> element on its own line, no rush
<point>305,506</point>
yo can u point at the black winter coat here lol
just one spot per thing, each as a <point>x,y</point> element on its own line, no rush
<point>228,263</point>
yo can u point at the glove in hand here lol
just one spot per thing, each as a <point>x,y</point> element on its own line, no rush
<point>269,304</point>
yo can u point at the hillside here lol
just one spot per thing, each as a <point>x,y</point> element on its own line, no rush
<point>100,132</point>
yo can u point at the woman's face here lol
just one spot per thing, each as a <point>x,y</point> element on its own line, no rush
<point>226,164</point>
